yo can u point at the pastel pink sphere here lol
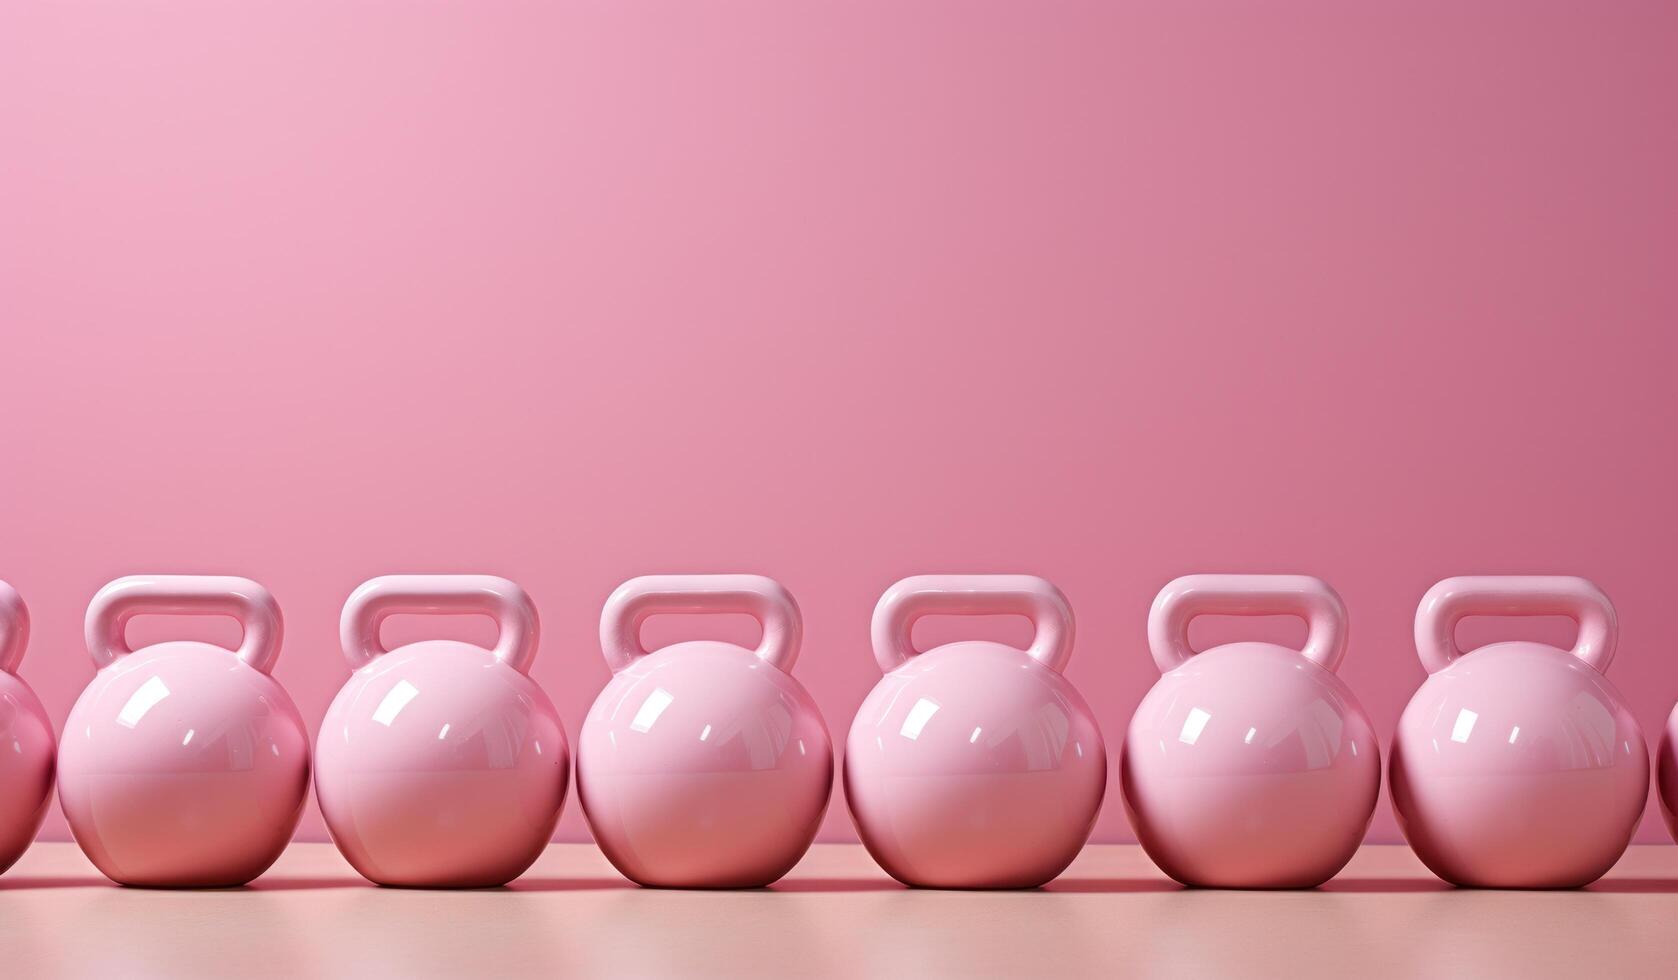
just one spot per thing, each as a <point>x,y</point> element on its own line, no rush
<point>1518,766</point>
<point>703,766</point>
<point>974,766</point>
<point>27,753</point>
<point>439,765</point>
<point>1250,766</point>
<point>181,765</point>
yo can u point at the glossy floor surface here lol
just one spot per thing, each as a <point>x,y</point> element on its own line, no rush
<point>836,915</point>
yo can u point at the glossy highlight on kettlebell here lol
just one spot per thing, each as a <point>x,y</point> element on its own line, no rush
<point>974,764</point>
<point>183,764</point>
<point>441,763</point>
<point>28,751</point>
<point>703,764</point>
<point>1518,765</point>
<point>1250,765</point>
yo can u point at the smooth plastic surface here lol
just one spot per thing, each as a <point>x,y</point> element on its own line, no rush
<point>1250,765</point>
<point>1517,765</point>
<point>703,764</point>
<point>183,763</point>
<point>441,763</point>
<point>974,764</point>
<point>28,751</point>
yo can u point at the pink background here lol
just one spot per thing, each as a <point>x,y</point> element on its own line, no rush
<point>838,292</point>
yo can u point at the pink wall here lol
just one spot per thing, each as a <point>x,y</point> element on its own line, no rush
<point>1107,292</point>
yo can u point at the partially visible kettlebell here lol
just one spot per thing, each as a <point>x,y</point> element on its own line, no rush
<point>27,747</point>
<point>441,764</point>
<point>703,764</point>
<point>1666,768</point>
<point>1517,765</point>
<point>974,764</point>
<point>1250,765</point>
<point>183,764</point>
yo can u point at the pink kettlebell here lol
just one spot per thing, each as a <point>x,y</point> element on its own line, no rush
<point>974,764</point>
<point>27,748</point>
<point>1517,765</point>
<point>703,764</point>
<point>1250,765</point>
<point>441,764</point>
<point>183,764</point>
<point>1666,768</point>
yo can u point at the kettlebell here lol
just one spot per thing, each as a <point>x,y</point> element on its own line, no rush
<point>1666,769</point>
<point>1517,765</point>
<point>27,746</point>
<point>703,764</point>
<point>441,764</point>
<point>974,764</point>
<point>183,764</point>
<point>1250,765</point>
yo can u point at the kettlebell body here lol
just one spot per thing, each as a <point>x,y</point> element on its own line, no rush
<point>28,751</point>
<point>974,764</point>
<point>1250,765</point>
<point>1666,768</point>
<point>441,764</point>
<point>183,764</point>
<point>1517,765</point>
<point>703,764</point>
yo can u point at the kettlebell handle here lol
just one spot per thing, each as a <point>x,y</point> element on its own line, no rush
<point>185,595</point>
<point>1448,603</point>
<point>14,628</point>
<point>973,595</point>
<point>762,598</point>
<point>377,599</point>
<point>1305,596</point>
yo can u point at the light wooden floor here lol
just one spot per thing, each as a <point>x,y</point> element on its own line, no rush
<point>836,915</point>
